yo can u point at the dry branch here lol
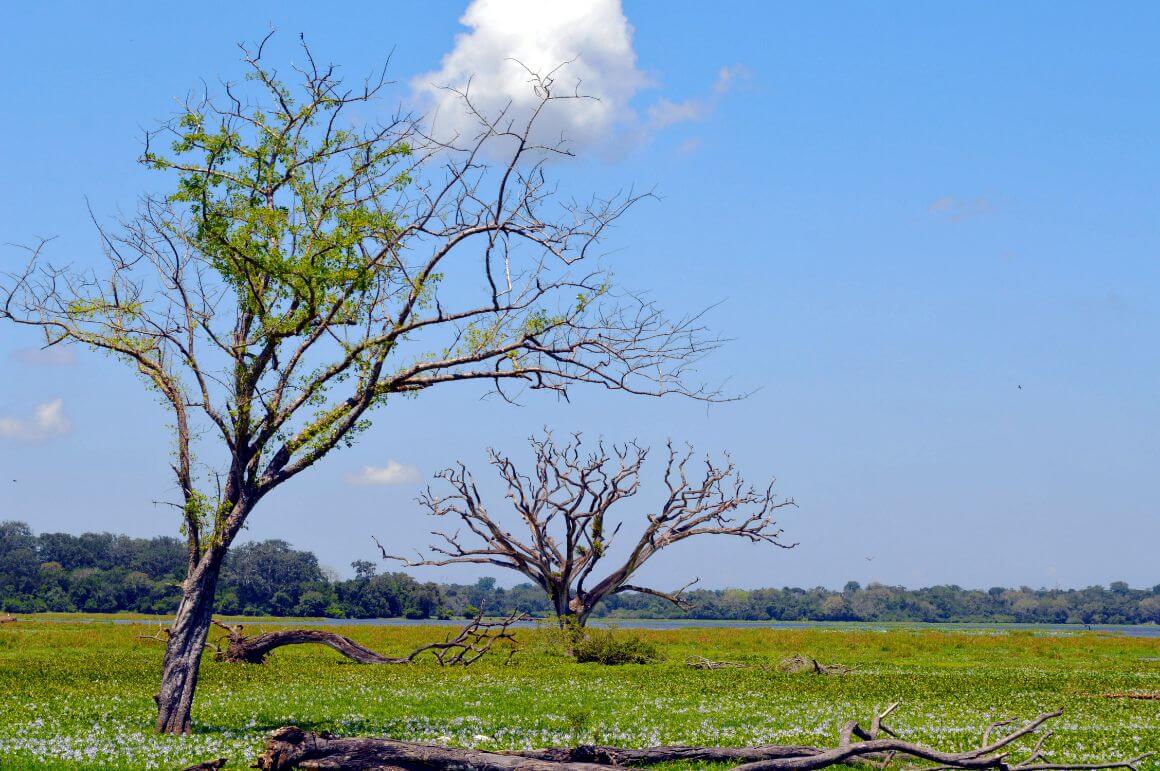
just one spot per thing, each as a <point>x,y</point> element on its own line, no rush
<point>700,662</point>
<point>7,619</point>
<point>1145,695</point>
<point>291,747</point>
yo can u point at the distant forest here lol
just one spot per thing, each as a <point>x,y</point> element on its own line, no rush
<point>103,573</point>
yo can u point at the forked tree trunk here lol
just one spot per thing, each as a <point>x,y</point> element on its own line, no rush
<point>186,643</point>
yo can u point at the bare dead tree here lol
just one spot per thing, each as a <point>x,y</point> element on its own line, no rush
<point>462,647</point>
<point>291,747</point>
<point>564,504</point>
<point>311,266</point>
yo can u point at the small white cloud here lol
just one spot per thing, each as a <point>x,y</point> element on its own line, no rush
<point>664,113</point>
<point>394,473</point>
<point>956,209</point>
<point>47,421</point>
<point>57,355</point>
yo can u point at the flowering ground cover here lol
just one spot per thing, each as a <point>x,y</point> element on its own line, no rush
<point>79,695</point>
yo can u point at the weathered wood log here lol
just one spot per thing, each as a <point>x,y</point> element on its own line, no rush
<point>1144,695</point>
<point>7,619</point>
<point>209,765</point>
<point>462,648</point>
<point>621,756</point>
<point>292,747</point>
<point>800,663</point>
<point>253,650</point>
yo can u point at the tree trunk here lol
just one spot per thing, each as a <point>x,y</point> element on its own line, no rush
<point>186,643</point>
<point>253,650</point>
<point>292,747</point>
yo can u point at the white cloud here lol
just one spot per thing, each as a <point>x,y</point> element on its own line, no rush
<point>591,44</point>
<point>663,112</point>
<point>47,421</point>
<point>56,355</point>
<point>594,37</point>
<point>394,473</point>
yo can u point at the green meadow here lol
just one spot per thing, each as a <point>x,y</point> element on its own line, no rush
<point>79,695</point>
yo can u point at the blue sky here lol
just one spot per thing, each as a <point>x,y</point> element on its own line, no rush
<point>908,211</point>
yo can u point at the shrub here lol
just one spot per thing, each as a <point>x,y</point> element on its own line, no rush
<point>609,647</point>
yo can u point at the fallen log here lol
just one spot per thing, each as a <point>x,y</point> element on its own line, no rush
<point>621,756</point>
<point>1145,695</point>
<point>800,663</point>
<point>209,765</point>
<point>240,648</point>
<point>462,648</point>
<point>7,619</point>
<point>700,662</point>
<point>291,747</point>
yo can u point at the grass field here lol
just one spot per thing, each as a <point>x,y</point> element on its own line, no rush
<point>78,695</point>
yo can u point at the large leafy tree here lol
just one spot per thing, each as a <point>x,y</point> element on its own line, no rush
<point>310,266</point>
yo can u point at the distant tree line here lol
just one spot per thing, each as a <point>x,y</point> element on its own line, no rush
<point>104,573</point>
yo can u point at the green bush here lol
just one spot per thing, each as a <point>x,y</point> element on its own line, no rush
<point>610,647</point>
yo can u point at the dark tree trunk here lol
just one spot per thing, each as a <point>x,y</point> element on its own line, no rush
<point>253,650</point>
<point>186,643</point>
<point>292,747</point>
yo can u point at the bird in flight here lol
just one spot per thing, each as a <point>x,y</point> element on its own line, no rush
<point>869,559</point>
<point>1020,387</point>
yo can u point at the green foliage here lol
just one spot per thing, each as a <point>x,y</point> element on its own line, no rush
<point>612,647</point>
<point>283,202</point>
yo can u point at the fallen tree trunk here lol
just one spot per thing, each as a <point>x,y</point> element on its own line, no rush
<point>253,650</point>
<point>291,747</point>
<point>621,756</point>
<point>294,748</point>
<point>7,619</point>
<point>463,648</point>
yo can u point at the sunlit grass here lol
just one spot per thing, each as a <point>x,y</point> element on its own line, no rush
<point>79,695</point>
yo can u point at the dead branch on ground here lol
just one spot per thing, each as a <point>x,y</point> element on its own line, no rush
<point>700,662</point>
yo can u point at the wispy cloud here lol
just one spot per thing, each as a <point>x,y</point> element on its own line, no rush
<point>46,422</point>
<point>664,113</point>
<point>394,473</point>
<point>956,209</point>
<point>589,49</point>
<point>57,355</point>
